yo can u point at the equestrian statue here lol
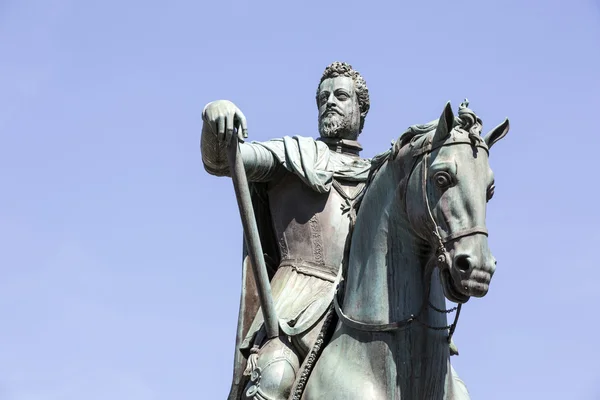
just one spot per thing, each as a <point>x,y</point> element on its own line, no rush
<point>347,261</point>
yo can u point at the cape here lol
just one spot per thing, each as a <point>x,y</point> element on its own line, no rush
<point>317,166</point>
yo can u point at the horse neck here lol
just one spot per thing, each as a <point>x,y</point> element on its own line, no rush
<point>385,284</point>
<point>385,273</point>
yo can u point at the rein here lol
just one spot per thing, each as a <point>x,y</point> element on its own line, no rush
<point>440,259</point>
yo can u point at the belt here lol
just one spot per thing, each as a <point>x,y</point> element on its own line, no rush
<point>322,271</point>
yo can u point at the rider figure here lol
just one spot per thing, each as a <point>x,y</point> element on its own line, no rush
<point>309,185</point>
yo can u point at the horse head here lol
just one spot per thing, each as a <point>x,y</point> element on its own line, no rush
<point>449,185</point>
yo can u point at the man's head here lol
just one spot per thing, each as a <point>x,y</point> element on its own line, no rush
<point>343,102</point>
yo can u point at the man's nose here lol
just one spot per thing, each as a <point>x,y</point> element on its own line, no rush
<point>331,100</point>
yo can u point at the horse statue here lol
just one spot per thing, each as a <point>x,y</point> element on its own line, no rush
<point>424,209</point>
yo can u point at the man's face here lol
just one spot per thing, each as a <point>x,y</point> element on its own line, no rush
<point>339,112</point>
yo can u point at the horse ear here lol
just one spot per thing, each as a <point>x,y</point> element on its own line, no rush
<point>445,124</point>
<point>497,133</point>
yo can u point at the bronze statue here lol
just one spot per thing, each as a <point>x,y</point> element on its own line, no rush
<point>305,194</point>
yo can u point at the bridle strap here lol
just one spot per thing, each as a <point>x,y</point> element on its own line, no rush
<point>463,233</point>
<point>428,148</point>
<point>441,250</point>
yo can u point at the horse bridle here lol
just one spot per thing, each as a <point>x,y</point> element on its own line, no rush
<point>441,258</point>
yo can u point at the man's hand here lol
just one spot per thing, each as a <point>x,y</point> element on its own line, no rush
<point>223,116</point>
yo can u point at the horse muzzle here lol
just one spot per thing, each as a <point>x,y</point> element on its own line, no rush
<point>472,274</point>
<point>451,289</point>
<point>468,268</point>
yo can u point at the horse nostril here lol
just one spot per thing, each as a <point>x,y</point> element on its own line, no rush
<point>462,262</point>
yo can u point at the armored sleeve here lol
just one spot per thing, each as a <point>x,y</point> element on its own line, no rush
<point>260,164</point>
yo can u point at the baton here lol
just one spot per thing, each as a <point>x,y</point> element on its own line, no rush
<point>242,193</point>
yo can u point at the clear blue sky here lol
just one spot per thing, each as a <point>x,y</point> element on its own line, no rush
<point>120,256</point>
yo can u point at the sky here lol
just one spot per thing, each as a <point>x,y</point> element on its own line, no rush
<point>120,255</point>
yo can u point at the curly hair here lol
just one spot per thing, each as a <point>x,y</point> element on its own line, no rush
<point>338,68</point>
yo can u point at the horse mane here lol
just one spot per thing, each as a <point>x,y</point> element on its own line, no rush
<point>466,121</point>
<point>413,131</point>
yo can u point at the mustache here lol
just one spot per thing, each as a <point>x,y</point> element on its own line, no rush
<point>331,111</point>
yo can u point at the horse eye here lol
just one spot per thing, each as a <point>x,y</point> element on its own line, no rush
<point>490,192</point>
<point>442,179</point>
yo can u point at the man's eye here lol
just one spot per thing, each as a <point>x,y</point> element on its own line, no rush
<point>342,96</point>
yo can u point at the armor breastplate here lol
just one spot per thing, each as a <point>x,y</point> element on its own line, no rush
<point>311,227</point>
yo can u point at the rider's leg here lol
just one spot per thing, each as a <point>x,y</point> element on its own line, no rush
<point>304,342</point>
<point>275,371</point>
<point>278,363</point>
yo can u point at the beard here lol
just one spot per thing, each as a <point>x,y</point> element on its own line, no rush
<point>334,126</point>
